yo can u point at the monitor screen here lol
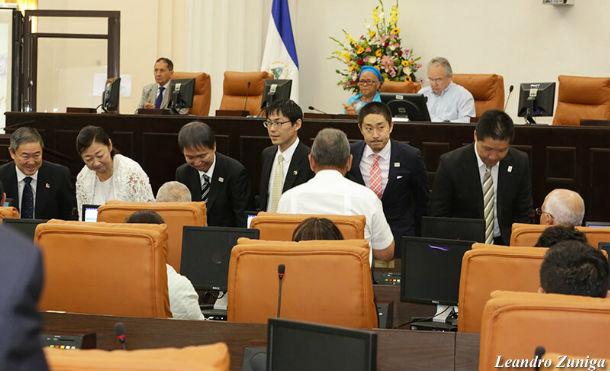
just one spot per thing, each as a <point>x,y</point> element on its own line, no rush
<point>182,91</point>
<point>299,346</point>
<point>110,97</point>
<point>26,227</point>
<point>597,224</point>
<point>89,213</point>
<point>206,252</point>
<point>250,215</point>
<point>411,106</point>
<point>430,270</point>
<point>276,90</point>
<point>453,228</point>
<point>536,99</point>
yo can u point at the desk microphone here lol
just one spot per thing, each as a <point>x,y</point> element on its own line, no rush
<point>312,108</point>
<point>247,93</point>
<point>281,269</point>
<point>119,332</point>
<point>538,354</point>
<point>510,90</point>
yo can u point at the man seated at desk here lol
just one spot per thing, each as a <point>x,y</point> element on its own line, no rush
<point>157,95</point>
<point>447,101</point>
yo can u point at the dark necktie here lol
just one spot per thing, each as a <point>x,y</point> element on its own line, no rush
<point>205,188</point>
<point>27,199</point>
<point>159,99</point>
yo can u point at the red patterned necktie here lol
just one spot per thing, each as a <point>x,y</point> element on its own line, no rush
<point>375,177</point>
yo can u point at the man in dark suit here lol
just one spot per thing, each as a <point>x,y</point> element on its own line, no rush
<point>39,189</point>
<point>285,163</point>
<point>485,180</point>
<point>219,180</point>
<point>393,170</point>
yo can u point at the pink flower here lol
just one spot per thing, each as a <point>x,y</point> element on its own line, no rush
<point>387,63</point>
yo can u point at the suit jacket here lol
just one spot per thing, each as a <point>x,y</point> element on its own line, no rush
<point>229,192</point>
<point>299,171</point>
<point>21,278</point>
<point>55,195</point>
<point>406,193</point>
<point>457,190</point>
<point>149,94</point>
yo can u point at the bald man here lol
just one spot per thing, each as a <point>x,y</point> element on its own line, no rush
<point>562,207</point>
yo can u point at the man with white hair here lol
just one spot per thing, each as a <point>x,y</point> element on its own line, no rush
<point>562,207</point>
<point>173,192</point>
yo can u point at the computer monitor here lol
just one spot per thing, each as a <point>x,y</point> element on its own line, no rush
<point>430,269</point>
<point>27,227</point>
<point>597,224</point>
<point>89,213</point>
<point>206,252</point>
<point>411,106</point>
<point>276,90</point>
<point>111,94</point>
<point>536,99</point>
<point>453,228</point>
<point>249,216</point>
<point>182,92</point>
<point>300,346</point>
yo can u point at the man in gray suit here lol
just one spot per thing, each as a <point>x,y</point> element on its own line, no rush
<point>157,95</point>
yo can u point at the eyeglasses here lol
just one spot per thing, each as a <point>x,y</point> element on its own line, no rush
<point>278,124</point>
<point>539,212</point>
<point>367,82</point>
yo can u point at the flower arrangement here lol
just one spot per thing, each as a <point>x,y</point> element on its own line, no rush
<point>379,47</point>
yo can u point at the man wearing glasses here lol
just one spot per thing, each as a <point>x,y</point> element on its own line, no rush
<point>447,101</point>
<point>284,164</point>
<point>562,207</point>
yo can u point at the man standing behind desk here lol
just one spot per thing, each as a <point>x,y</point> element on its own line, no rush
<point>486,180</point>
<point>157,95</point>
<point>39,189</point>
<point>447,101</point>
<point>285,163</point>
<point>393,170</point>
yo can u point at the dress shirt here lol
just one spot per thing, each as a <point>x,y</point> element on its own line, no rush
<point>384,164</point>
<point>209,173</point>
<point>21,185</point>
<point>183,299</point>
<point>287,154</point>
<point>494,178</point>
<point>454,104</point>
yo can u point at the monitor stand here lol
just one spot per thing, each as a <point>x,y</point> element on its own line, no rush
<point>221,302</point>
<point>445,319</point>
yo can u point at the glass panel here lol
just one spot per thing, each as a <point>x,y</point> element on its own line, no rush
<point>71,25</point>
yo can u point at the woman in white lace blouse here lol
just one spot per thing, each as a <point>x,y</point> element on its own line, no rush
<point>107,175</point>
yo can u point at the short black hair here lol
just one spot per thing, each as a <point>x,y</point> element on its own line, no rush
<point>559,233</point>
<point>145,217</point>
<point>170,64</point>
<point>316,229</point>
<point>574,268</point>
<point>375,108</point>
<point>287,108</point>
<point>196,134</point>
<point>495,124</point>
<point>90,134</point>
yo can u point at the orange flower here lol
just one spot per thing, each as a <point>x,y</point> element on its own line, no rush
<point>378,53</point>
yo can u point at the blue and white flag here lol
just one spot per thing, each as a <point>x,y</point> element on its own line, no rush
<point>280,56</point>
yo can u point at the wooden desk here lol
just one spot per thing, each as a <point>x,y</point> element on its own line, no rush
<point>397,350</point>
<point>560,157</point>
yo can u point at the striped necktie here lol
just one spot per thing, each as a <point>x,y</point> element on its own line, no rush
<point>375,177</point>
<point>205,187</point>
<point>278,183</point>
<point>488,205</point>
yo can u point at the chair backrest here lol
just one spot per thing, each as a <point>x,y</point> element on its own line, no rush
<point>515,323</point>
<point>487,268</point>
<point>582,98</point>
<point>400,87</point>
<point>8,212</point>
<point>325,282</point>
<point>239,85</point>
<point>175,214</point>
<point>104,268</point>
<point>212,357</point>
<point>486,89</point>
<point>203,91</point>
<point>558,360</point>
<point>280,227</point>
<point>528,234</point>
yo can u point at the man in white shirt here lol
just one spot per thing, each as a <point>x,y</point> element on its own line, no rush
<point>157,95</point>
<point>329,192</point>
<point>447,101</point>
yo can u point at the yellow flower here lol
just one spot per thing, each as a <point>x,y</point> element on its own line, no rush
<point>371,34</point>
<point>360,50</point>
<point>395,31</point>
<point>376,15</point>
<point>378,53</point>
<point>404,63</point>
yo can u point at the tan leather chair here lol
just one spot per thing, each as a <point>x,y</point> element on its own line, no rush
<point>558,360</point>
<point>235,90</point>
<point>528,234</point>
<point>280,227</point>
<point>325,282</point>
<point>515,323</point>
<point>487,90</point>
<point>175,214</point>
<point>400,87</point>
<point>487,268</point>
<point>582,98</point>
<point>104,268</point>
<point>8,212</point>
<point>213,357</point>
<point>203,91</point>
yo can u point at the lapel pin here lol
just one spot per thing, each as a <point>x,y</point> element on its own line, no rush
<point>397,164</point>
<point>221,179</point>
<point>295,172</point>
<point>510,169</point>
<point>47,185</point>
